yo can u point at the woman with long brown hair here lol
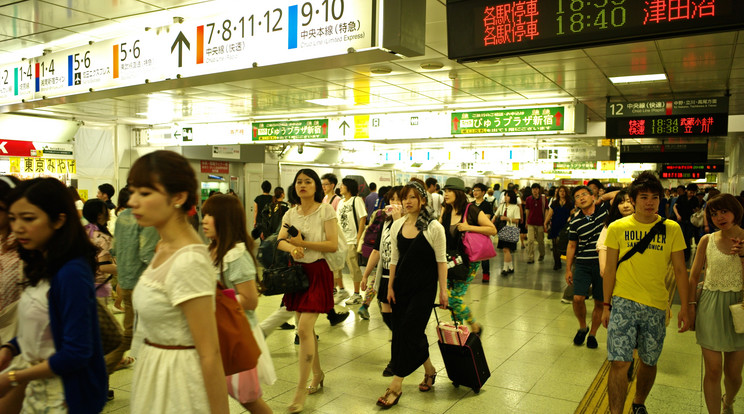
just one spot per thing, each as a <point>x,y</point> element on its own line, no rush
<point>455,207</point>
<point>230,248</point>
<point>418,265</point>
<point>557,218</point>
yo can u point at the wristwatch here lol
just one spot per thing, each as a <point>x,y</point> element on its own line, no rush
<point>12,378</point>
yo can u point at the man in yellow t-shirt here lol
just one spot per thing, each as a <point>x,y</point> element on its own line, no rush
<point>636,316</point>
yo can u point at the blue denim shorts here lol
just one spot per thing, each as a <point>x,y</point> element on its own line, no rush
<point>585,274</point>
<point>635,325</point>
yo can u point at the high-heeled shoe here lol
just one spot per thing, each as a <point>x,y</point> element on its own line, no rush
<point>425,386</point>
<point>312,389</point>
<point>296,408</point>
<point>383,401</point>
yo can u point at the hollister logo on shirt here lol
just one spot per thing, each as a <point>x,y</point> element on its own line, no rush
<point>634,236</point>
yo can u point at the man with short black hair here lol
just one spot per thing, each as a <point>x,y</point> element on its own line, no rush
<point>583,232</point>
<point>372,199</point>
<point>329,181</point>
<point>435,199</point>
<point>351,216</point>
<point>687,204</point>
<point>635,291</point>
<point>106,193</point>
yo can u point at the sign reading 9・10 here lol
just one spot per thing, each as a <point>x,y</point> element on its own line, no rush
<point>489,28</point>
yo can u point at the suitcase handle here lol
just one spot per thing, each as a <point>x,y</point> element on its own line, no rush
<point>452,312</point>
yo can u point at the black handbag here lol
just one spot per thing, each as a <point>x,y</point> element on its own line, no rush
<point>457,268</point>
<point>280,279</point>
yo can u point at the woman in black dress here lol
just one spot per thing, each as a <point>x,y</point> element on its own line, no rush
<point>418,266</point>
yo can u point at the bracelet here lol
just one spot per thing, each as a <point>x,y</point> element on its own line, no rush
<point>607,304</point>
<point>692,303</point>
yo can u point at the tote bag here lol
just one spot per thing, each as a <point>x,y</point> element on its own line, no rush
<point>477,246</point>
<point>509,234</point>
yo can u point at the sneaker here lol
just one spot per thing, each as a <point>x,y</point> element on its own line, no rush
<point>580,336</point>
<point>486,277</point>
<point>339,296</point>
<point>356,299</point>
<point>638,409</point>
<point>541,258</point>
<point>363,313</point>
<point>337,318</point>
<point>388,372</point>
<point>566,301</point>
<point>591,342</point>
<point>286,326</point>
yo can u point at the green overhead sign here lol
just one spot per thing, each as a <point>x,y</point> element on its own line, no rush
<point>290,130</point>
<point>507,121</point>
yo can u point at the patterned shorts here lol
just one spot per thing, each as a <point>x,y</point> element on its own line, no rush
<point>635,325</point>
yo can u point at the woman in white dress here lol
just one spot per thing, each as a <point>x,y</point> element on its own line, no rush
<point>179,367</point>
<point>723,349</point>
<point>230,248</point>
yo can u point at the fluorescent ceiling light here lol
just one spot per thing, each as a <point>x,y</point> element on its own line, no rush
<point>638,78</point>
<point>330,102</point>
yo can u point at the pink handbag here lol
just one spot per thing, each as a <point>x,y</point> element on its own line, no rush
<point>478,247</point>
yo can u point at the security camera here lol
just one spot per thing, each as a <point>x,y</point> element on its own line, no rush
<point>301,149</point>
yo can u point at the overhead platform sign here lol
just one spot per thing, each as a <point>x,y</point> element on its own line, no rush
<point>250,34</point>
<point>691,117</point>
<point>509,121</point>
<point>479,29</point>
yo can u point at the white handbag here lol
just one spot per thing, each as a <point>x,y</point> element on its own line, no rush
<point>737,314</point>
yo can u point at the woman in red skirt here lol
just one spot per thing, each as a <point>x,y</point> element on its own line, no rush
<point>317,236</point>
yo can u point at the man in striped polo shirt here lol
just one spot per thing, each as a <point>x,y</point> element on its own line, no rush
<point>583,232</point>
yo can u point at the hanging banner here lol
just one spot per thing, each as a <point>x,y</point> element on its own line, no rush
<point>507,121</point>
<point>290,130</point>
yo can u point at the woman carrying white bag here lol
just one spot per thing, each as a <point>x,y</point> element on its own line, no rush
<point>723,349</point>
<point>231,251</point>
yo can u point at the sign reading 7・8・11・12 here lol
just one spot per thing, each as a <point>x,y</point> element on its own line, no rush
<point>290,130</point>
<point>511,120</point>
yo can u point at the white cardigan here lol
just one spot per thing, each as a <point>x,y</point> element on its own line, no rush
<point>434,234</point>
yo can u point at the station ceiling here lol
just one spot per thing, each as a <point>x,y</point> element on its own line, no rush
<point>706,65</point>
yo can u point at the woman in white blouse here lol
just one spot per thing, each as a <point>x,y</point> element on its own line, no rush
<point>317,236</point>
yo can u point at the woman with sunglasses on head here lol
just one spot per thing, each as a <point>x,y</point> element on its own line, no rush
<point>230,248</point>
<point>720,253</point>
<point>455,207</point>
<point>179,367</point>
<point>61,365</point>
<point>317,236</point>
<point>418,276</point>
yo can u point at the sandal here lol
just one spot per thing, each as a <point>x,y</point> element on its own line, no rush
<point>383,401</point>
<point>425,386</point>
<point>125,362</point>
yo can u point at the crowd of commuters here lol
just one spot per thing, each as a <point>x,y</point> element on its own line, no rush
<point>67,265</point>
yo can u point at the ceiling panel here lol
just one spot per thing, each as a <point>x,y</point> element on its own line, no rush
<point>48,14</point>
<point>10,26</point>
<point>106,8</point>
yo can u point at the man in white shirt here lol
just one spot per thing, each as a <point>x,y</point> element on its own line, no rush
<point>435,199</point>
<point>352,216</point>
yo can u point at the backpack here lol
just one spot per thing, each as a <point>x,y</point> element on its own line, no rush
<point>271,217</point>
<point>372,232</point>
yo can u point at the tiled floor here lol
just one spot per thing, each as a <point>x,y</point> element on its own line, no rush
<point>535,368</point>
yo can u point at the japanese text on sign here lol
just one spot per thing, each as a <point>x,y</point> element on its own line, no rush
<point>28,165</point>
<point>290,130</point>
<point>510,22</point>
<point>509,121</point>
<point>659,11</point>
